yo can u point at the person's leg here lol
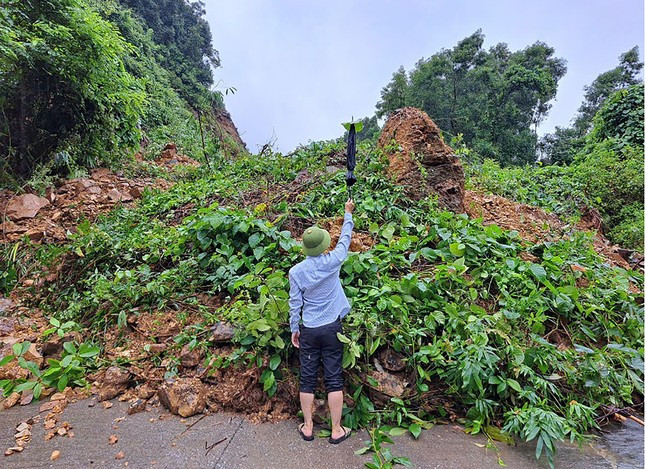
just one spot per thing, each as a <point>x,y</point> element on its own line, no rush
<point>335,401</point>
<point>307,405</point>
<point>309,362</point>
<point>332,358</point>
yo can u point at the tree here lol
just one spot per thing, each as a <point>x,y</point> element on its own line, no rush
<point>624,75</point>
<point>393,95</point>
<point>495,98</point>
<point>564,143</point>
<point>561,146</point>
<point>63,85</point>
<point>186,48</point>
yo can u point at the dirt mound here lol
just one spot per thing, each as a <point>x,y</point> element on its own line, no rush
<point>66,203</point>
<point>420,160</point>
<point>532,223</point>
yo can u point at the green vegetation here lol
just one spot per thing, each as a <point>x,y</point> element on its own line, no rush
<point>606,174</point>
<point>495,98</point>
<point>85,83</point>
<point>561,146</point>
<point>69,370</point>
<point>534,347</point>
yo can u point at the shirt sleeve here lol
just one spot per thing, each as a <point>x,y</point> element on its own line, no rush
<point>339,253</point>
<point>295,304</point>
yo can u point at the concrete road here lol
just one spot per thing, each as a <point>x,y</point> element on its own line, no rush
<point>156,439</point>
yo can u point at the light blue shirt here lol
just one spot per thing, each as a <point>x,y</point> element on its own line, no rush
<point>315,285</point>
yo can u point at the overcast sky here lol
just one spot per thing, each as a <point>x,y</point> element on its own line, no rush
<point>302,67</point>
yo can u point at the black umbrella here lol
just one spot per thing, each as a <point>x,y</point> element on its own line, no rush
<point>350,179</point>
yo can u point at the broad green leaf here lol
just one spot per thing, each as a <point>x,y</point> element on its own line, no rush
<point>538,271</point>
<point>344,339</point>
<point>274,362</point>
<point>398,431</point>
<point>415,429</point>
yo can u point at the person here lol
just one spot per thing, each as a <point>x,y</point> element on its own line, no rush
<point>317,295</point>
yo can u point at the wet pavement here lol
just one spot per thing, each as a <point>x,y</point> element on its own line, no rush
<point>156,439</point>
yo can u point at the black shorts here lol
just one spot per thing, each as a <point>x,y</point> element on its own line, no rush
<point>320,344</point>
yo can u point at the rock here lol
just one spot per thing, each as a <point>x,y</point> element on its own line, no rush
<point>145,391</point>
<point>421,161</point>
<point>50,194</point>
<point>54,346</point>
<point>136,192</point>
<point>392,360</point>
<point>82,184</point>
<point>32,355</point>
<point>26,397</point>
<point>137,406</point>
<point>388,384</point>
<point>115,195</point>
<point>25,206</point>
<point>157,348</point>
<point>190,358</point>
<point>55,455</point>
<point>35,234</point>
<point>22,426</point>
<point>7,325</point>
<point>115,381</point>
<point>183,396</point>
<point>222,332</point>
<point>59,396</point>
<point>11,400</point>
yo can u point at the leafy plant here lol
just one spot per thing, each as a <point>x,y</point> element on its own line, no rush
<point>69,370</point>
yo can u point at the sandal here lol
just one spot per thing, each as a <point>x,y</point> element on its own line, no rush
<point>335,441</point>
<point>305,437</point>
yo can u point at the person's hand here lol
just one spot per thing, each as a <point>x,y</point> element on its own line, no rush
<point>349,206</point>
<point>295,339</point>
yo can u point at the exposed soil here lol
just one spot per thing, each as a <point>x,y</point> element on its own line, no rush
<point>532,223</point>
<point>225,128</point>
<point>48,219</point>
<point>420,160</point>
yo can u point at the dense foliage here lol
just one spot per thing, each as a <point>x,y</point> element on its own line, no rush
<point>185,41</point>
<point>607,173</point>
<point>533,347</point>
<point>495,98</point>
<point>562,145</point>
<point>63,86</point>
<point>84,82</point>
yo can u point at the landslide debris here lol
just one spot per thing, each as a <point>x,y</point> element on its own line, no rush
<point>48,219</point>
<point>420,160</point>
<point>533,223</point>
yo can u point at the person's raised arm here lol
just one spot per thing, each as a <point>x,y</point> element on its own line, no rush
<point>339,253</point>
<point>295,307</point>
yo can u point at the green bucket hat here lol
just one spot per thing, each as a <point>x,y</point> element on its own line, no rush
<point>315,240</point>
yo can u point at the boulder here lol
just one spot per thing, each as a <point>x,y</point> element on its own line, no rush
<point>115,381</point>
<point>392,360</point>
<point>388,384</point>
<point>33,355</point>
<point>183,396</point>
<point>25,206</point>
<point>190,357</point>
<point>222,332</point>
<point>420,160</point>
